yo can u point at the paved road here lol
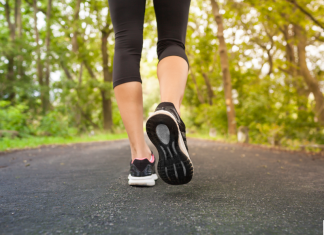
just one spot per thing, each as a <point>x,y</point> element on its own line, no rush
<point>82,189</point>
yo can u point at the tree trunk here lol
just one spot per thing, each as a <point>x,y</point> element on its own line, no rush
<point>89,69</point>
<point>311,82</point>
<point>209,89</point>
<point>225,70</point>
<point>294,73</point>
<point>290,55</point>
<point>39,62</point>
<point>11,78</point>
<point>270,59</point>
<point>75,49</point>
<point>10,67</point>
<point>48,38</point>
<point>75,45</point>
<point>200,97</point>
<point>106,93</point>
<point>20,67</point>
<point>66,71</point>
<point>80,74</point>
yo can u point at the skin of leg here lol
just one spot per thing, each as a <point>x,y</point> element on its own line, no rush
<point>172,72</point>
<point>129,98</point>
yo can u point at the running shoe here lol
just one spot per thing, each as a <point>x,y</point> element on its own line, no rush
<point>167,132</point>
<point>142,172</point>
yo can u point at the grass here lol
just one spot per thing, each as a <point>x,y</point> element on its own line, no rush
<point>33,142</point>
<point>204,134</point>
<point>292,146</point>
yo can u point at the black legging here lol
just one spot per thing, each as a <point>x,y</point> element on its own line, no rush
<point>128,18</point>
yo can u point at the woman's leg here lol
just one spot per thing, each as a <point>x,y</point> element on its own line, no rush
<point>172,73</point>
<point>164,127</point>
<point>128,19</point>
<point>173,66</point>
<point>130,103</point>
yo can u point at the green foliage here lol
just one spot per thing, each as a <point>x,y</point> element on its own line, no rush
<point>54,124</point>
<point>36,141</point>
<point>14,118</point>
<point>19,118</point>
<point>267,100</point>
<point>273,104</point>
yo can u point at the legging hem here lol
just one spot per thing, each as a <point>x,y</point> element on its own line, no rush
<point>175,55</point>
<point>128,79</point>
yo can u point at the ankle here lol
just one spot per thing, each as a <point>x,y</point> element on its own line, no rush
<point>141,153</point>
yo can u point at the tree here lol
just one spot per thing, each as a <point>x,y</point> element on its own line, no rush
<point>225,69</point>
<point>106,90</point>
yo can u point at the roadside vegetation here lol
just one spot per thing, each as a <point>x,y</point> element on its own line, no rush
<point>256,68</point>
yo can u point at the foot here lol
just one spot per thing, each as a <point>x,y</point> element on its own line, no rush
<point>167,132</point>
<point>142,172</point>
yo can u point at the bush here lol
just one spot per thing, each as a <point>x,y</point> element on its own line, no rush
<point>53,124</point>
<point>14,118</point>
<point>18,118</point>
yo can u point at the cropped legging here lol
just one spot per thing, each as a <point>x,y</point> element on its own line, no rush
<point>128,18</point>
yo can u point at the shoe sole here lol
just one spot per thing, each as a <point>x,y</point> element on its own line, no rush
<point>174,165</point>
<point>142,181</point>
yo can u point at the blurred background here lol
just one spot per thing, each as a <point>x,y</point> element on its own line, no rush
<point>256,72</point>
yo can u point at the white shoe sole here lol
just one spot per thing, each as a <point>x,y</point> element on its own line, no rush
<point>142,181</point>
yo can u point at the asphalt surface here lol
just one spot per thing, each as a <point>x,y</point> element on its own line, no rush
<point>82,189</point>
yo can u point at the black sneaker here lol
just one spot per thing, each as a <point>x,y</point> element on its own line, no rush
<point>167,132</point>
<point>142,172</point>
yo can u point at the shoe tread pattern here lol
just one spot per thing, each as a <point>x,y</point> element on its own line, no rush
<point>174,167</point>
<point>181,124</point>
